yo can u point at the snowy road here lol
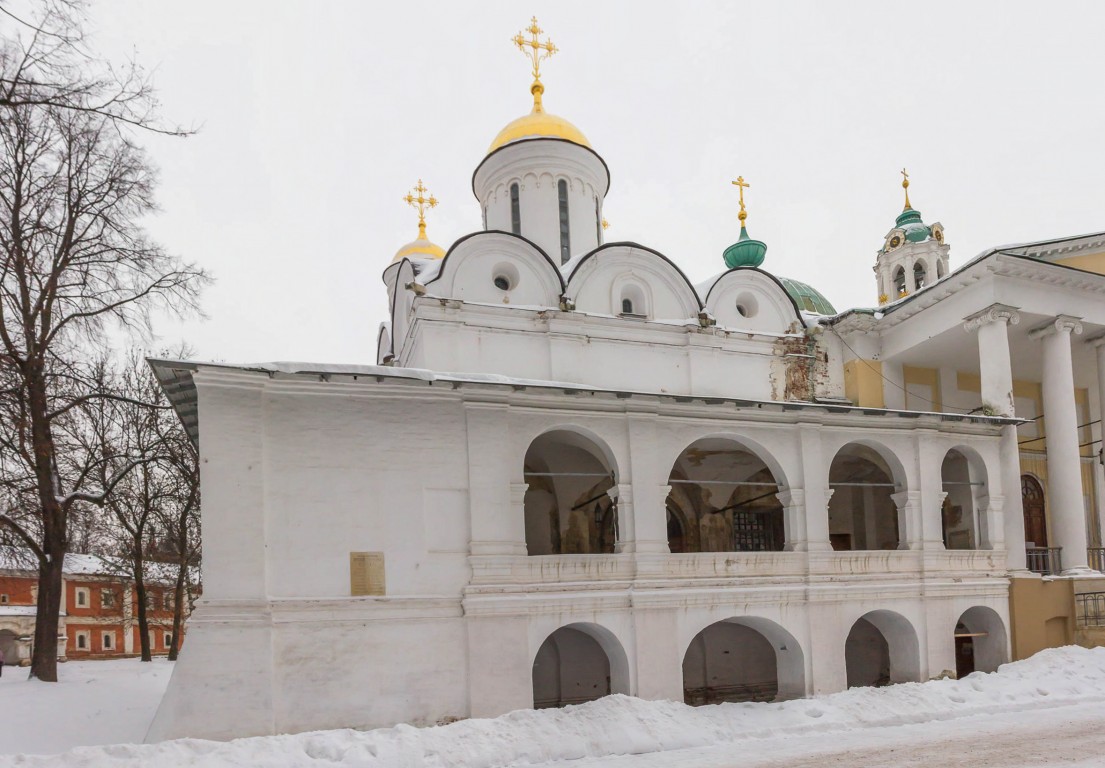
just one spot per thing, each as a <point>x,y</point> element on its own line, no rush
<point>1072,736</point>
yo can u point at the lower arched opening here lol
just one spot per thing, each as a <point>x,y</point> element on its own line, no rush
<point>881,649</point>
<point>742,660</point>
<point>980,644</point>
<point>574,666</point>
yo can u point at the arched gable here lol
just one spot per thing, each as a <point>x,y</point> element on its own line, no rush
<point>749,299</point>
<point>498,268</point>
<point>401,306</point>
<point>601,279</point>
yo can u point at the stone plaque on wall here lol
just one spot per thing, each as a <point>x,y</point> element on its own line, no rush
<point>366,573</point>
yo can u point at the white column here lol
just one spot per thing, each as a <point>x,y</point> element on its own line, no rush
<point>649,485</point>
<point>909,519</point>
<point>622,495</point>
<point>991,325</point>
<point>1099,501</point>
<point>1009,454</point>
<point>815,479</point>
<point>1064,473</point>
<point>794,519</point>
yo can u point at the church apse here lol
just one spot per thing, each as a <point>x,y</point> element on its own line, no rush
<point>568,508</point>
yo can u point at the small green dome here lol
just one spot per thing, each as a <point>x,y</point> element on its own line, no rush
<point>746,252</point>
<point>807,297</point>
<point>916,231</point>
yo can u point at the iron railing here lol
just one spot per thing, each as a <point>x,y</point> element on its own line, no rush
<point>1089,609</point>
<point>1096,556</point>
<point>1045,560</point>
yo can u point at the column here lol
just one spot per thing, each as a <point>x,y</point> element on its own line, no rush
<point>991,325</point>
<point>649,485</point>
<point>815,479</point>
<point>1009,454</point>
<point>1099,501</point>
<point>1064,474</point>
<point>794,519</point>
<point>622,496</point>
<point>909,519</point>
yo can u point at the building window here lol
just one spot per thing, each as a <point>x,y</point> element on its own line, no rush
<point>153,639</point>
<point>562,195</point>
<point>515,211</point>
<point>107,598</point>
<point>169,600</point>
<point>168,638</point>
<point>3,599</point>
<point>627,306</point>
<point>82,597</point>
<point>109,641</point>
<point>83,641</point>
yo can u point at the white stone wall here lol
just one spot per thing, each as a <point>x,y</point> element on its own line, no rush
<point>298,472</point>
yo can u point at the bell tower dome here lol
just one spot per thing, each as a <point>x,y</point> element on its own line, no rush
<point>913,254</point>
<point>541,179</point>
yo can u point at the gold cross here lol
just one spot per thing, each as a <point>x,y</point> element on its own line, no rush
<point>741,184</point>
<point>421,203</point>
<point>537,50</point>
<point>905,186</point>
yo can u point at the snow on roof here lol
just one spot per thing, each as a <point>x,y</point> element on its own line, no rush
<point>18,610</point>
<point>23,559</point>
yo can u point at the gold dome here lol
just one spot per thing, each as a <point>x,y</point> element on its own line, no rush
<point>538,124</point>
<point>419,249</point>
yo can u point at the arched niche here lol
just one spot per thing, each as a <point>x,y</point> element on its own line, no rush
<point>749,299</point>
<point>964,482</point>
<point>498,268</point>
<point>920,274</point>
<point>863,513</point>
<point>578,663</point>
<point>595,281</point>
<point>980,641</point>
<point>723,498</point>
<point>568,508</point>
<point>900,287</point>
<point>881,649</point>
<point>743,658</point>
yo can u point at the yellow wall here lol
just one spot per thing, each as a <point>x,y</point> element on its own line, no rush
<point>1094,262</point>
<point>863,383</point>
<point>1041,614</point>
<point>928,377</point>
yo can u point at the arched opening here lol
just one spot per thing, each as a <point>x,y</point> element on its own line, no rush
<point>568,509</point>
<point>742,659</point>
<point>939,268</point>
<point>723,499</point>
<point>979,641</point>
<point>964,483</point>
<point>862,512</point>
<point>920,275</point>
<point>576,664</point>
<point>565,239</point>
<point>1035,516</point>
<point>633,302</point>
<point>881,649</point>
<point>900,288</point>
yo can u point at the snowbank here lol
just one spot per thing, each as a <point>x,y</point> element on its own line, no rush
<point>623,725</point>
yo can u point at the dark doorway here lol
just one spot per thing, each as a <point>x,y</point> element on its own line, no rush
<point>964,651</point>
<point>1035,518</point>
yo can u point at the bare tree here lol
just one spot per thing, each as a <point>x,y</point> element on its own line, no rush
<point>73,259</point>
<point>45,61</point>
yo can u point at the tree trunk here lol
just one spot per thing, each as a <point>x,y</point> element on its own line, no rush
<point>140,600</point>
<point>178,612</point>
<point>44,655</point>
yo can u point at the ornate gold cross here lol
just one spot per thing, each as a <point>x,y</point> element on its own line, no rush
<point>741,184</point>
<point>538,51</point>
<point>905,186</point>
<point>421,203</point>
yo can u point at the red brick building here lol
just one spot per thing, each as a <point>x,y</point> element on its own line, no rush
<point>99,615</point>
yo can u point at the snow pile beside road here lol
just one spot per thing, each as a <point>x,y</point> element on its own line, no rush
<point>623,725</point>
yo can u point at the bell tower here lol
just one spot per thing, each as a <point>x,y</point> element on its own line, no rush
<point>913,254</point>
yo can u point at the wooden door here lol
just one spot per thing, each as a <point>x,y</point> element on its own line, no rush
<point>1035,519</point>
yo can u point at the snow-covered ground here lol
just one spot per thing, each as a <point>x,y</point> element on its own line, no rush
<point>1049,708</point>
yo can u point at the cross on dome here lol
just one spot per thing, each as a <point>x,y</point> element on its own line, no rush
<point>420,203</point>
<point>742,185</point>
<point>905,186</point>
<point>537,53</point>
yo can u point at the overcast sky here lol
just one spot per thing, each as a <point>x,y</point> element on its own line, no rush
<point>317,117</point>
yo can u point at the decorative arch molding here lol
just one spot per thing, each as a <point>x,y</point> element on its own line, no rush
<point>383,343</point>
<point>527,146</point>
<point>470,269</point>
<point>768,306</point>
<point>749,444</point>
<point>593,275</point>
<point>834,444</point>
<point>585,439</point>
<point>902,639</point>
<point>401,306</point>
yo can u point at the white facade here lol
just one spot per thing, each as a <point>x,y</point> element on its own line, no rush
<point>577,476</point>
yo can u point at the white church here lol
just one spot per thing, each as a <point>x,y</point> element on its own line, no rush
<point>572,473</point>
